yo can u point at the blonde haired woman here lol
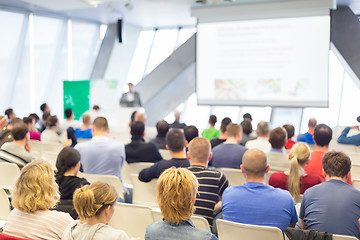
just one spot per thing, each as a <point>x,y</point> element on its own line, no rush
<point>176,194</point>
<point>95,205</point>
<point>295,180</point>
<point>35,193</point>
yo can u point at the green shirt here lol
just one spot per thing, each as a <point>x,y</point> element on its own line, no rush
<point>210,133</point>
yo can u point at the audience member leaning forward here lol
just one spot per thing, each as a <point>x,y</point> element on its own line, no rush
<point>175,143</point>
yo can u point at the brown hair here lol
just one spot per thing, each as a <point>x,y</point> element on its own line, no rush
<point>233,129</point>
<point>100,123</point>
<point>336,164</point>
<point>199,149</point>
<point>176,192</point>
<point>278,138</point>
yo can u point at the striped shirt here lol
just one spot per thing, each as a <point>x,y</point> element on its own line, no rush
<point>212,184</point>
<point>37,225</point>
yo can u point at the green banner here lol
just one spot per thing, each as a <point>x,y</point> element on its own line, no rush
<point>77,97</point>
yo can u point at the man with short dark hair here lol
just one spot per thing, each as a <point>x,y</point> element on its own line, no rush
<point>10,114</point>
<point>101,155</point>
<point>175,143</point>
<point>290,133</point>
<point>17,151</point>
<point>139,150</point>
<point>247,130</point>
<point>262,141</point>
<point>308,136</point>
<point>255,202</point>
<point>230,153</point>
<point>162,128</point>
<point>223,134</point>
<point>277,159</point>
<point>332,206</point>
<point>70,120</point>
<point>191,132</point>
<point>5,133</point>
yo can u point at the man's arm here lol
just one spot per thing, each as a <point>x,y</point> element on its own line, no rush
<point>292,225</point>
<point>147,174</point>
<point>344,139</point>
<point>303,224</point>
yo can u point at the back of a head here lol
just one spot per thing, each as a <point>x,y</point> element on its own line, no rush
<point>199,149</point>
<point>175,140</point>
<point>27,120</point>
<point>278,138</point>
<point>9,112</point>
<point>336,164</point>
<point>86,118</point>
<point>176,192</point>
<point>224,123</point>
<point>312,123</point>
<point>162,128</point>
<point>132,117</point>
<point>101,124</point>
<point>247,116</point>
<point>67,159</point>
<point>191,132</point>
<point>322,135</point>
<point>51,121</point>
<point>91,200</point>
<point>246,126</point>
<point>15,121</point>
<point>34,116</point>
<point>19,131</point>
<point>45,116</point>
<point>263,129</point>
<point>212,120</point>
<point>43,107</point>
<point>290,130</point>
<point>299,154</point>
<point>36,188</point>
<point>68,113</point>
<point>140,117</point>
<point>233,129</point>
<point>137,129</point>
<point>96,108</point>
<point>255,163</point>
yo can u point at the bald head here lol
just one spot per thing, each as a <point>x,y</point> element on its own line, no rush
<point>199,149</point>
<point>140,117</point>
<point>177,115</point>
<point>263,129</point>
<point>312,123</point>
<point>254,163</point>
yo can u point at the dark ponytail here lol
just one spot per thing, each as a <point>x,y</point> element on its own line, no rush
<point>67,159</point>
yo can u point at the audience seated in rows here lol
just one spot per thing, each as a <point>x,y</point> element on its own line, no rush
<point>230,153</point>
<point>5,132</point>
<point>33,134</point>
<point>10,114</point>
<point>35,193</point>
<point>255,202</point>
<point>211,132</point>
<point>223,134</point>
<point>53,134</point>
<point>19,148</point>
<point>101,155</point>
<point>139,150</point>
<point>190,133</point>
<point>295,180</point>
<point>70,120</point>
<point>352,140</point>
<point>277,158</point>
<point>247,131</point>
<point>176,194</point>
<point>95,206</point>
<point>46,113</point>
<point>290,133</point>
<point>176,123</point>
<point>308,136</point>
<point>262,141</point>
<point>68,166</point>
<point>212,183</point>
<point>85,131</point>
<point>176,144</point>
<point>322,138</point>
<point>162,128</point>
<point>332,206</point>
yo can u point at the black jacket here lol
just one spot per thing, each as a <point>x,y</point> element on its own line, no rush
<point>140,151</point>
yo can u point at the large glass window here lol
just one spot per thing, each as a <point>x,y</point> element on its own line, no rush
<point>184,35</point>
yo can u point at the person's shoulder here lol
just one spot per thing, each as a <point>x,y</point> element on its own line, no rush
<point>57,215</point>
<point>7,145</point>
<point>108,232</point>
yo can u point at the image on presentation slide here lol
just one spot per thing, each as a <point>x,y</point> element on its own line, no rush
<point>267,62</point>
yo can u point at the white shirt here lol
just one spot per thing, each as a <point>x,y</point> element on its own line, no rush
<point>261,143</point>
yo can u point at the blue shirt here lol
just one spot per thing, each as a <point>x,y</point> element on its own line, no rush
<point>102,156</point>
<point>355,140</point>
<point>259,204</point>
<point>87,133</point>
<point>184,231</point>
<point>228,155</point>
<point>306,137</point>
<point>333,207</point>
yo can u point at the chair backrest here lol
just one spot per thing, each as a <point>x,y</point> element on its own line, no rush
<point>199,222</point>
<point>234,176</point>
<point>231,230</point>
<point>355,171</point>
<point>51,147</point>
<point>165,154</point>
<point>109,179</point>
<point>4,205</point>
<point>125,173</point>
<point>354,156</point>
<point>356,183</point>
<point>144,193</point>
<point>131,218</point>
<point>334,145</point>
<point>35,147</point>
<point>50,157</point>
<point>9,173</point>
<point>135,168</point>
<point>343,237</point>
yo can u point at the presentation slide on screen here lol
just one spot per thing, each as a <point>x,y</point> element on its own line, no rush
<point>273,62</point>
